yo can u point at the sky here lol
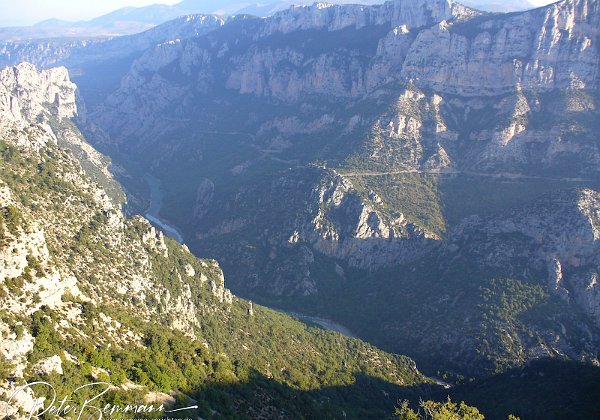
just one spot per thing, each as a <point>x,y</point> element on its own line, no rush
<point>541,2</point>
<point>28,12</point>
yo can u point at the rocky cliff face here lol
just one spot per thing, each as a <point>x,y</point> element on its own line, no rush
<point>496,64</point>
<point>44,262</point>
<point>347,226</point>
<point>321,15</point>
<point>557,236</point>
<point>543,49</point>
<point>438,44</point>
<point>26,93</point>
<point>296,70</point>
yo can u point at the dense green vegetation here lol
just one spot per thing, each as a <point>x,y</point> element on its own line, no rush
<point>167,360</point>
<point>433,410</point>
<point>465,195</point>
<point>170,361</point>
<point>543,389</point>
<point>504,302</point>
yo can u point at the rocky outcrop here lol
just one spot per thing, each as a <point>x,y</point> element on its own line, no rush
<point>346,226</point>
<point>217,286</point>
<point>48,366</point>
<point>27,95</point>
<point>543,49</point>
<point>557,237</point>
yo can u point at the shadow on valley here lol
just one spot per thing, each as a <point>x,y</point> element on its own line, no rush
<point>544,389</point>
<point>564,389</point>
<point>261,397</point>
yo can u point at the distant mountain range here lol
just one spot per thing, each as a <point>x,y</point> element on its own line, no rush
<point>131,20</point>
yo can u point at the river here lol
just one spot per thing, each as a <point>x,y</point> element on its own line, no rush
<point>321,322</point>
<point>153,212</point>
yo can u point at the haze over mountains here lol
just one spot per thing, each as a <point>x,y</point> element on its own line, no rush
<point>131,20</point>
<point>421,172</point>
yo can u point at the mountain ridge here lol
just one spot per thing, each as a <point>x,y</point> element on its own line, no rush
<point>127,21</point>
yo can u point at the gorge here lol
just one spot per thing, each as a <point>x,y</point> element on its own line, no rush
<point>419,174</point>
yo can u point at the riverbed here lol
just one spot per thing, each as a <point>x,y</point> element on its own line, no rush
<point>324,323</point>
<point>153,212</point>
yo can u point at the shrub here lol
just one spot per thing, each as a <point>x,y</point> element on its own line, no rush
<point>6,368</point>
<point>19,331</point>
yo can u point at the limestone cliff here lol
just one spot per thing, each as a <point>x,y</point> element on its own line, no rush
<point>543,49</point>
<point>26,94</point>
<point>51,215</point>
<point>559,237</point>
<point>347,226</point>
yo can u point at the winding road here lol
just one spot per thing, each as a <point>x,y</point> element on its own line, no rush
<point>506,175</point>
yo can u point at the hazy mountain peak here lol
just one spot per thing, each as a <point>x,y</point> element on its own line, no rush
<point>498,5</point>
